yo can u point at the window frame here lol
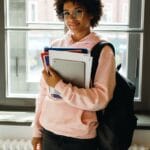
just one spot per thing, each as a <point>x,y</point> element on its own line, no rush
<point>144,105</point>
<point>28,103</point>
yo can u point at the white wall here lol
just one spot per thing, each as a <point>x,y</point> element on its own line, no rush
<point>142,137</point>
<point>11,132</point>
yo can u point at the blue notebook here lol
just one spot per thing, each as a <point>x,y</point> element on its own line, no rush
<point>78,50</point>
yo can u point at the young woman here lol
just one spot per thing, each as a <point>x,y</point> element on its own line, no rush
<point>70,123</point>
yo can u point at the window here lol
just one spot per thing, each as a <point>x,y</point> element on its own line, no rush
<point>30,25</point>
<point>25,41</point>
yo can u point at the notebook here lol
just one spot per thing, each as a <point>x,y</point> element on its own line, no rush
<point>72,67</point>
<point>75,72</point>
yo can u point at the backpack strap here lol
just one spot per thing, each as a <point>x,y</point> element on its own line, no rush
<point>95,53</point>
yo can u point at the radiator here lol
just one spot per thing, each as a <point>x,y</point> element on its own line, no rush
<point>15,144</point>
<point>24,144</point>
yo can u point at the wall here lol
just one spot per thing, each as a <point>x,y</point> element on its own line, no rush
<point>141,137</point>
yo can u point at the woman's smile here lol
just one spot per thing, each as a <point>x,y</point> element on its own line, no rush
<point>73,24</point>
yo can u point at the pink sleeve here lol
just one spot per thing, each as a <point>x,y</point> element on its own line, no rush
<point>36,124</point>
<point>97,97</point>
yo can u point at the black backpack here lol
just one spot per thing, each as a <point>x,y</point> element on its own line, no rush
<point>117,120</point>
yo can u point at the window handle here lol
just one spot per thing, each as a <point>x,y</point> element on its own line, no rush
<point>17,66</point>
<point>136,72</point>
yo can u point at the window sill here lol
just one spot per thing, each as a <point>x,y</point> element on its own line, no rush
<point>26,118</point>
<point>16,118</point>
<point>143,121</point>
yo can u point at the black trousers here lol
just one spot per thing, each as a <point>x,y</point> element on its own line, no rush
<point>52,141</point>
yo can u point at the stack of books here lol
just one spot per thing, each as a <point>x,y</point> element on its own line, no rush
<point>72,64</point>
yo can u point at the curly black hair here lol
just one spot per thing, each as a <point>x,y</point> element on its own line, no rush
<point>93,7</point>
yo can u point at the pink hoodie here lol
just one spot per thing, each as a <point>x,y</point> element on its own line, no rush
<point>74,115</point>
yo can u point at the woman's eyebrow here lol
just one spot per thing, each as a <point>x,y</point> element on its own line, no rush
<point>78,8</point>
<point>65,10</point>
<point>73,9</point>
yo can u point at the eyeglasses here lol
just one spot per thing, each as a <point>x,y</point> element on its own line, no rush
<point>76,14</point>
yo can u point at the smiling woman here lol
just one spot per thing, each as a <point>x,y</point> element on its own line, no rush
<point>76,108</point>
<point>77,20</point>
<point>94,10</point>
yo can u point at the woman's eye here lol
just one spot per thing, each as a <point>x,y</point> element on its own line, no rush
<point>66,13</point>
<point>79,12</point>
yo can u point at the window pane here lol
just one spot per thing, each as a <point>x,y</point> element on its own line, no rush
<point>116,11</point>
<point>16,13</point>
<point>24,63</point>
<point>28,12</point>
<point>36,12</point>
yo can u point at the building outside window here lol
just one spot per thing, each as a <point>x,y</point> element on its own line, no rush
<point>32,11</point>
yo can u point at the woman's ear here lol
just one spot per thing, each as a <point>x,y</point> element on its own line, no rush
<point>91,17</point>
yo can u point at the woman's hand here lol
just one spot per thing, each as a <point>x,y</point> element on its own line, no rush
<point>51,77</point>
<point>37,143</point>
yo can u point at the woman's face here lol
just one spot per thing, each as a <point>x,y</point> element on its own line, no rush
<point>76,18</point>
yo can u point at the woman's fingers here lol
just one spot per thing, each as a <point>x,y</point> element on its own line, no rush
<point>52,78</point>
<point>37,143</point>
<point>49,72</point>
<point>52,71</point>
<point>34,147</point>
